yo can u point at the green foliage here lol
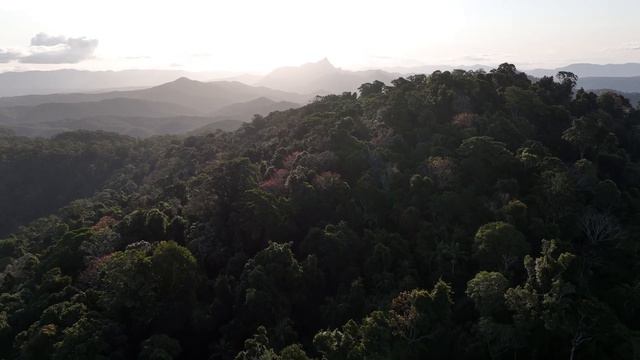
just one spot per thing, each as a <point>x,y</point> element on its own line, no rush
<point>257,348</point>
<point>410,329</point>
<point>498,246</point>
<point>42,175</point>
<point>149,284</point>
<point>487,290</point>
<point>313,232</point>
<point>159,347</point>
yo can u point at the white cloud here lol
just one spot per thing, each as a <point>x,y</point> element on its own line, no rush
<point>47,49</point>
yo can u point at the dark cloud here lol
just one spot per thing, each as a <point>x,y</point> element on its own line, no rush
<point>47,49</point>
<point>8,56</point>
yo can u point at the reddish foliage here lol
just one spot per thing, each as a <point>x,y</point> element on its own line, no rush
<point>382,136</point>
<point>325,179</point>
<point>276,181</point>
<point>90,274</point>
<point>442,169</point>
<point>103,223</point>
<point>465,119</point>
<point>290,159</point>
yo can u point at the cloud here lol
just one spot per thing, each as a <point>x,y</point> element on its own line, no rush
<point>629,46</point>
<point>8,56</point>
<point>47,49</point>
<point>43,39</point>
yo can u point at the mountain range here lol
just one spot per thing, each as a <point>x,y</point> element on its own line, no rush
<point>183,104</point>
<point>584,70</point>
<point>618,84</point>
<point>202,97</point>
<point>314,78</point>
<point>176,107</point>
<point>67,80</point>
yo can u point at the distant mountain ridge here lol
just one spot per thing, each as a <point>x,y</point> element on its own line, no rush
<point>145,112</point>
<point>622,84</point>
<point>321,78</point>
<point>428,69</point>
<point>204,97</point>
<point>183,104</point>
<point>592,70</point>
<point>108,107</point>
<point>68,80</point>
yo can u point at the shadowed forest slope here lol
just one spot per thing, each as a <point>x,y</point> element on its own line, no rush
<point>463,215</point>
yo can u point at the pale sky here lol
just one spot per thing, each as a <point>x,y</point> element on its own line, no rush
<point>258,35</point>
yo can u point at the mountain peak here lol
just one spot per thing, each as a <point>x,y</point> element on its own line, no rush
<point>183,79</point>
<point>320,77</point>
<point>322,64</point>
<point>180,83</point>
<point>325,61</point>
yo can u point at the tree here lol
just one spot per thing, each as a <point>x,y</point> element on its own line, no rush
<point>415,325</point>
<point>487,290</point>
<point>215,191</point>
<point>599,228</point>
<point>156,225</point>
<point>257,348</point>
<point>585,133</point>
<point>159,347</point>
<point>508,75</point>
<point>498,246</point>
<point>484,161</point>
<point>151,284</point>
<point>545,299</point>
<point>370,89</point>
<point>418,315</point>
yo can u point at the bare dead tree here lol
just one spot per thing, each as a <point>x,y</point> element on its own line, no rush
<point>599,228</point>
<point>580,337</point>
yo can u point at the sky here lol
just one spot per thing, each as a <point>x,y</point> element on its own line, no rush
<point>259,35</point>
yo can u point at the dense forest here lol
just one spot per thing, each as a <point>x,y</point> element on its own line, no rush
<point>457,215</point>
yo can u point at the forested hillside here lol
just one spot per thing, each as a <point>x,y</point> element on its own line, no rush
<point>459,215</point>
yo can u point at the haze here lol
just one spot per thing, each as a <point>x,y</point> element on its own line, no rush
<point>256,36</point>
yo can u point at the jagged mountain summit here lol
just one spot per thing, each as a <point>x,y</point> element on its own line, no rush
<point>321,77</point>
